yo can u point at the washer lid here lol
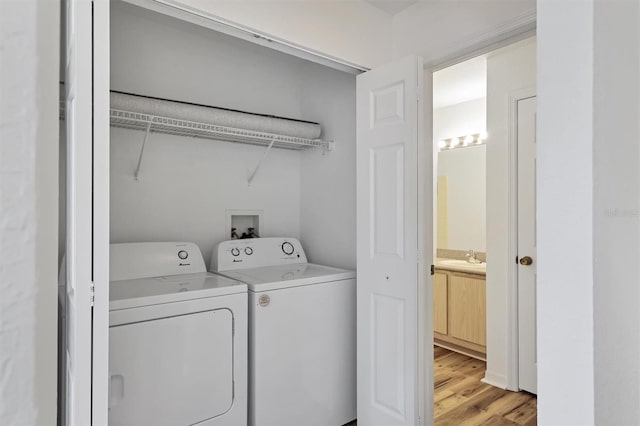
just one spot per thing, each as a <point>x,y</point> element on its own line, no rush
<point>175,288</point>
<point>285,276</point>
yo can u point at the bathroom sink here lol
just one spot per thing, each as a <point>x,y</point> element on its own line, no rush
<point>462,264</point>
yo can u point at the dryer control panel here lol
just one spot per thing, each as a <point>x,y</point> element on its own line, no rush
<point>257,252</point>
<point>141,260</point>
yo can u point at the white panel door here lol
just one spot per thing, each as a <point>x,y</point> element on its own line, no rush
<point>527,362</point>
<point>389,124</point>
<point>87,133</point>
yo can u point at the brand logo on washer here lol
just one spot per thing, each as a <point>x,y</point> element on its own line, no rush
<point>264,300</point>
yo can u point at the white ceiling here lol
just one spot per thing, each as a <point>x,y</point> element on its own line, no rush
<point>392,6</point>
<point>462,82</point>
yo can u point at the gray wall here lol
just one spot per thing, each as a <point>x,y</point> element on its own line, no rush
<point>616,214</point>
<point>589,198</point>
<point>328,202</point>
<point>186,184</point>
<point>29,57</point>
<point>509,71</point>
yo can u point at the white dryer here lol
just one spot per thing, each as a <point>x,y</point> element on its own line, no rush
<point>302,332</point>
<point>177,339</point>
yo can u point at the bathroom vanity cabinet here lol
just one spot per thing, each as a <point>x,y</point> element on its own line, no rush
<point>459,312</point>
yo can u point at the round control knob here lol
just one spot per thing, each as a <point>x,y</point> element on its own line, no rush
<point>248,251</point>
<point>287,248</point>
<point>183,254</point>
<point>235,251</point>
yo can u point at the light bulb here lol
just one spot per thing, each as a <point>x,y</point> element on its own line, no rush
<point>483,136</point>
<point>442,144</point>
<point>454,142</point>
<point>468,140</point>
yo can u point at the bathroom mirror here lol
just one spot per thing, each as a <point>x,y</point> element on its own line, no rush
<point>461,199</point>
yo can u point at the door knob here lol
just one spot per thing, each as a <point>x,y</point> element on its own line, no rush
<point>526,261</point>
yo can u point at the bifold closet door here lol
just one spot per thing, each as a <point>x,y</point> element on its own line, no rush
<point>86,287</point>
<point>390,264</point>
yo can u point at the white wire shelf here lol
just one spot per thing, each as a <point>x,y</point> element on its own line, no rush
<point>138,121</point>
<point>157,124</point>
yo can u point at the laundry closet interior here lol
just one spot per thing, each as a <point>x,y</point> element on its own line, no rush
<point>185,185</point>
<point>176,177</point>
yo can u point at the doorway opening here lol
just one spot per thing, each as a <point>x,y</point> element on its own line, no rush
<point>484,339</point>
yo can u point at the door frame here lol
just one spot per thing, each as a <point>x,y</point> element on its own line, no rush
<point>525,29</point>
<point>426,254</point>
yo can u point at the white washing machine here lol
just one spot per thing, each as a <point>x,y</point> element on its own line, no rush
<point>177,339</point>
<point>302,333</point>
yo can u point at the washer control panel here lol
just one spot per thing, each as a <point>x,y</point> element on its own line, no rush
<point>288,248</point>
<point>257,252</point>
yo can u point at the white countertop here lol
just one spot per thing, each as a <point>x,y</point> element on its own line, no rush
<point>461,266</point>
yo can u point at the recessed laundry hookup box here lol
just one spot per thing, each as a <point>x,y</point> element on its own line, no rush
<point>243,224</point>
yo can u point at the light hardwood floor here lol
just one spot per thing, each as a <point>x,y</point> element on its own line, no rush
<point>462,400</point>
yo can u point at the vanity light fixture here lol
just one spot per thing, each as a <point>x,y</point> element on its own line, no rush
<point>463,141</point>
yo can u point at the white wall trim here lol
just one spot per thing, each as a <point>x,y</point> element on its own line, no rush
<point>512,378</point>
<point>216,23</point>
<point>519,28</point>
<point>425,250</point>
<point>497,380</point>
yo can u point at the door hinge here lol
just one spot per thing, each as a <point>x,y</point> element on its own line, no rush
<point>419,421</point>
<point>92,293</point>
<point>433,270</point>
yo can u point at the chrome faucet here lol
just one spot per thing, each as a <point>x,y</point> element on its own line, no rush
<point>472,257</point>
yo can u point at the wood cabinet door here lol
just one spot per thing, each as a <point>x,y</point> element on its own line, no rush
<point>440,303</point>
<point>467,309</point>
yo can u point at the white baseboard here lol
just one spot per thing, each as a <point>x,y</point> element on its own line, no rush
<point>497,380</point>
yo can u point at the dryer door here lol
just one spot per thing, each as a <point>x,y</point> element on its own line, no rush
<point>171,371</point>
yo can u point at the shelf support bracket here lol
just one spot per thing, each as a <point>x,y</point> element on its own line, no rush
<point>264,156</point>
<point>329,146</point>
<point>144,142</point>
